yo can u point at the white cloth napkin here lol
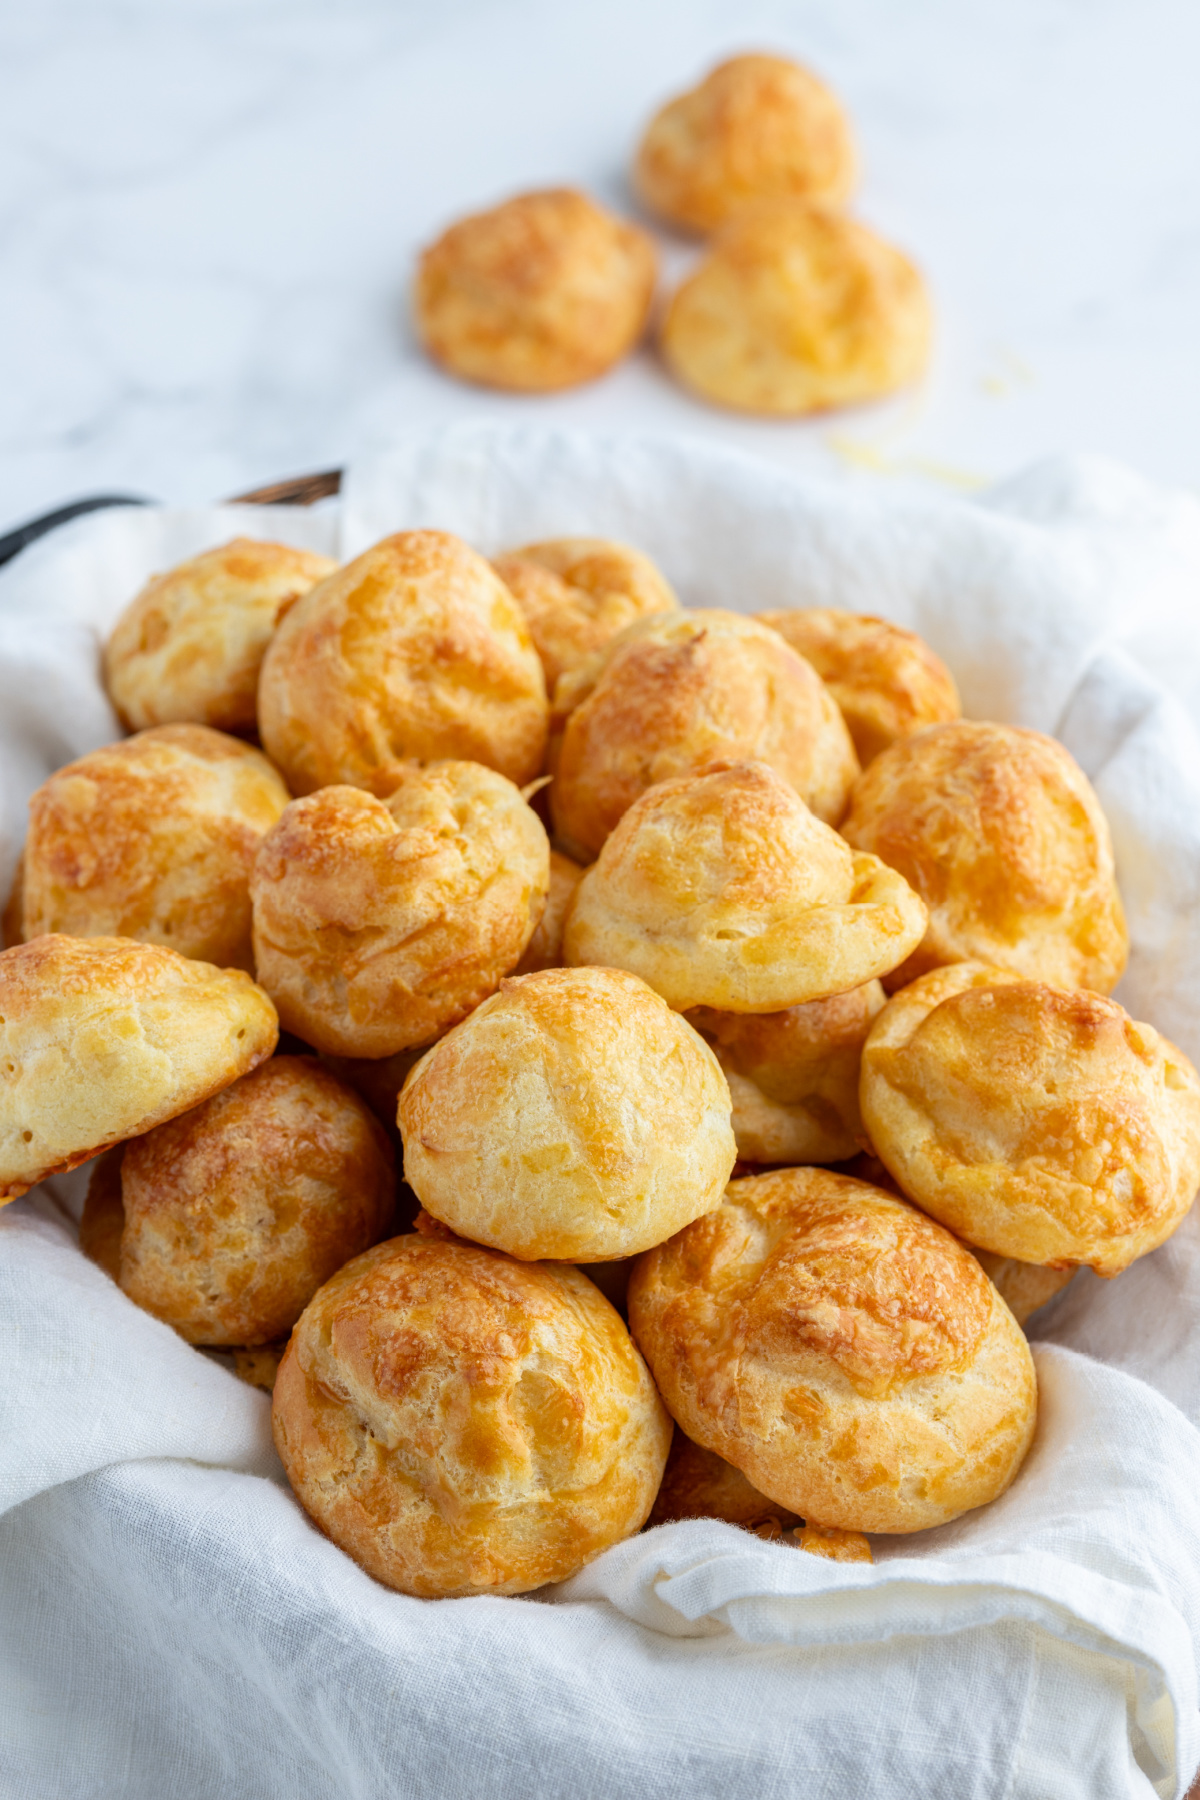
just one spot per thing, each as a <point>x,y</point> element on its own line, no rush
<point>170,1622</point>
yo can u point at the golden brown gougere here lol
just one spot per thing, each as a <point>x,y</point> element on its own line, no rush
<point>794,310</point>
<point>723,890</point>
<point>573,1115</point>
<point>1000,832</point>
<point>414,649</point>
<point>1038,1122</point>
<point>576,593</point>
<point>756,128</point>
<point>188,648</point>
<point>673,693</point>
<point>225,1221</point>
<point>154,839</point>
<point>462,1423</point>
<point>842,1350</point>
<point>887,682</point>
<point>544,291</point>
<point>378,923</point>
<point>102,1039</point>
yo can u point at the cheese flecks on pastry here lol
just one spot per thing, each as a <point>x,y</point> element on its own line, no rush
<point>794,310</point>
<point>379,923</point>
<point>1000,832</point>
<point>1023,1287</point>
<point>572,1116</point>
<point>545,291</point>
<point>1038,1122</point>
<point>673,693</point>
<point>577,593</point>
<point>188,648</point>
<point>887,681</point>
<point>842,1350</point>
<point>232,1215</point>
<point>756,128</point>
<point>461,1423</point>
<point>722,889</point>
<point>414,649</point>
<point>153,838</point>
<point>102,1038</point>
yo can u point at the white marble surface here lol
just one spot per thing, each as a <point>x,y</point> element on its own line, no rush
<point>209,213</point>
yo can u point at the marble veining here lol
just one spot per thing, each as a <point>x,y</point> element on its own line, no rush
<point>209,212</point>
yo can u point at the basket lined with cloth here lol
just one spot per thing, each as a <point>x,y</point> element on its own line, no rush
<point>170,1600</point>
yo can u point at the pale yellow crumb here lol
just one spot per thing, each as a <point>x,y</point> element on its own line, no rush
<point>881,462</point>
<point>835,1545</point>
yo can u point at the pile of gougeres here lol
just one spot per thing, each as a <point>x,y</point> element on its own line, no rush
<point>703,968</point>
<point>793,308</point>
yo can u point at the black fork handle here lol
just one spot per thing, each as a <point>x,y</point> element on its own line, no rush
<point>299,490</point>
<point>16,540</point>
